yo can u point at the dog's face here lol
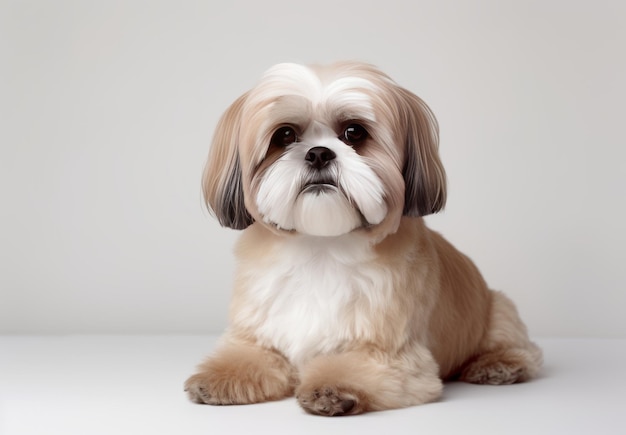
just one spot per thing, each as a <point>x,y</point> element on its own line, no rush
<point>323,152</point>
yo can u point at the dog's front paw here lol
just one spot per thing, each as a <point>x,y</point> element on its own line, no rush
<point>197,390</point>
<point>240,375</point>
<point>215,388</point>
<point>200,388</point>
<point>330,401</point>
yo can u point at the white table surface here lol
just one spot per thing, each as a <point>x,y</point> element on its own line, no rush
<point>134,385</point>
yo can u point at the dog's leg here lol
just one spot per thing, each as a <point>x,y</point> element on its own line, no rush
<point>358,381</point>
<point>506,355</point>
<point>240,373</point>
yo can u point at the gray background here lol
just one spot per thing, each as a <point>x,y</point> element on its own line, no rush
<point>107,110</point>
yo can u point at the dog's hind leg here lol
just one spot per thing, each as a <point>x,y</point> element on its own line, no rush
<point>506,355</point>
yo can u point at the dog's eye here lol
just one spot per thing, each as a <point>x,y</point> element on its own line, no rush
<point>284,136</point>
<point>354,134</point>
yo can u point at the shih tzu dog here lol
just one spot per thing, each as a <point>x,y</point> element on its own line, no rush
<point>342,295</point>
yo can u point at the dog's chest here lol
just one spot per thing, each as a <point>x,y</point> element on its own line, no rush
<point>314,300</point>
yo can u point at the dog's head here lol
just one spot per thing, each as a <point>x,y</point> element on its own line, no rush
<point>325,151</point>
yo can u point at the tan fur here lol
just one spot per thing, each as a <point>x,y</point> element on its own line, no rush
<point>221,184</point>
<point>443,322</point>
<point>241,373</point>
<point>222,154</point>
<point>438,320</point>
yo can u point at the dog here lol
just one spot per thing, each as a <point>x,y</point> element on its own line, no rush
<point>342,295</point>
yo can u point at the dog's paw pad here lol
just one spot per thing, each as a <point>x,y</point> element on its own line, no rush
<point>329,401</point>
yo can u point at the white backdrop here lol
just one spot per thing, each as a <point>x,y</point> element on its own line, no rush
<point>107,109</point>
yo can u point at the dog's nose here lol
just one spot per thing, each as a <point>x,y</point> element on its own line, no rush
<point>319,157</point>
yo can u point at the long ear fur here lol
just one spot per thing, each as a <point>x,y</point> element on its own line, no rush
<point>221,181</point>
<point>424,176</point>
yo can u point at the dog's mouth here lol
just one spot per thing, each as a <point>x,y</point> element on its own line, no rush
<point>318,188</point>
<point>319,185</point>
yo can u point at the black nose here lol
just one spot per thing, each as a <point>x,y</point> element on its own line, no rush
<point>318,157</point>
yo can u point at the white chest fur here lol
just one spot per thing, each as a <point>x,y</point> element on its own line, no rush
<point>314,296</point>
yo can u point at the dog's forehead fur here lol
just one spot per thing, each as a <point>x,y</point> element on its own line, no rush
<point>318,84</point>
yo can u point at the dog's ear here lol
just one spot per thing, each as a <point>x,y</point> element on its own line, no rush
<point>424,176</point>
<point>222,182</point>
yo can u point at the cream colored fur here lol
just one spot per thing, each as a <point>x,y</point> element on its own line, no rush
<point>372,319</point>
